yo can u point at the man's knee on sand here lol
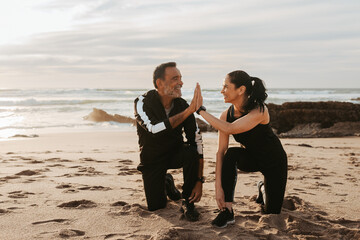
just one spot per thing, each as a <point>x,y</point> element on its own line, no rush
<point>157,205</point>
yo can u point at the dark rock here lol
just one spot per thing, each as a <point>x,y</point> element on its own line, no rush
<point>98,115</point>
<point>287,116</point>
<point>291,119</point>
<point>204,127</point>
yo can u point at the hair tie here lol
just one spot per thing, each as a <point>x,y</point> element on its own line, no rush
<point>252,82</point>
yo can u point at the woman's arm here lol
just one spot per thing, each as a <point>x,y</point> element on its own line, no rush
<point>223,143</point>
<point>242,124</point>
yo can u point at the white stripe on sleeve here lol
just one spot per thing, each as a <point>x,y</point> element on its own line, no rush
<point>150,127</point>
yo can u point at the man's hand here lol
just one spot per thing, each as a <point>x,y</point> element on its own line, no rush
<point>199,100</point>
<point>196,192</point>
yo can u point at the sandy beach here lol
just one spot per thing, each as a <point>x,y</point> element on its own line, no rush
<point>86,186</point>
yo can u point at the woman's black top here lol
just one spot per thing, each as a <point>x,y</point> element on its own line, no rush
<point>261,143</point>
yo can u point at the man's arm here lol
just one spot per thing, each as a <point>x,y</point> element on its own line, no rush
<point>177,119</point>
<point>145,120</point>
<point>145,117</point>
<point>194,138</point>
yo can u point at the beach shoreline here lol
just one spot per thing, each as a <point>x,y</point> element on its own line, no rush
<point>85,185</point>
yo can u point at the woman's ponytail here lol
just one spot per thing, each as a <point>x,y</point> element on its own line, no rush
<point>256,94</point>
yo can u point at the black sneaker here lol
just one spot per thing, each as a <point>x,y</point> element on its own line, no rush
<point>224,218</point>
<point>171,191</point>
<point>189,211</point>
<point>261,194</point>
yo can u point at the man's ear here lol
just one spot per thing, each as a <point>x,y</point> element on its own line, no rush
<point>159,83</point>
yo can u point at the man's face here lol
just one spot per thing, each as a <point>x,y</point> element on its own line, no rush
<point>171,85</point>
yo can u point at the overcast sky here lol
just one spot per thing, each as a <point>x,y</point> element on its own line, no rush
<point>118,43</point>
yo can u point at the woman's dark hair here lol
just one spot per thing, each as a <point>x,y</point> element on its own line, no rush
<point>159,71</point>
<point>255,89</point>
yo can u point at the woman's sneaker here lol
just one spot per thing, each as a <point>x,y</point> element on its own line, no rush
<point>224,218</point>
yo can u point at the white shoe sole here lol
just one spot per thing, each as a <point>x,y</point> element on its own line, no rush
<point>228,222</point>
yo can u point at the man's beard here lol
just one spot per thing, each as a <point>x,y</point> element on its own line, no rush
<point>174,92</point>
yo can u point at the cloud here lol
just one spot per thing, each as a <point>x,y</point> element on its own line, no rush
<point>118,40</point>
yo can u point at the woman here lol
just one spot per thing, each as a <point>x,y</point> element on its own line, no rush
<point>247,119</point>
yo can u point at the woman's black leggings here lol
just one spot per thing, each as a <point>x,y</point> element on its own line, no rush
<point>274,177</point>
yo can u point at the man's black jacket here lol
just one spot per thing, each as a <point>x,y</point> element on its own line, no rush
<point>157,139</point>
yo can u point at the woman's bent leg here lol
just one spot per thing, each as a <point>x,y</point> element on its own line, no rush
<point>275,184</point>
<point>235,158</point>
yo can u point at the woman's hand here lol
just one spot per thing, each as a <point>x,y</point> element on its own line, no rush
<point>193,103</point>
<point>220,198</point>
<point>199,100</point>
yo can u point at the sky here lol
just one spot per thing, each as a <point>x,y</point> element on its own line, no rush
<point>118,43</point>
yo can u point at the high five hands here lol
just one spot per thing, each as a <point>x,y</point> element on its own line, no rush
<point>197,100</point>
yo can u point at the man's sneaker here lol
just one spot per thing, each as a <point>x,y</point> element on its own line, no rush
<point>189,211</point>
<point>224,218</point>
<point>261,194</point>
<point>171,191</point>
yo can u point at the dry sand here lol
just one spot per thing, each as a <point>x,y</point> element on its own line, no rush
<point>86,186</point>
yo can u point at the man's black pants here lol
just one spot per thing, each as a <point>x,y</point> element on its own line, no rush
<point>154,175</point>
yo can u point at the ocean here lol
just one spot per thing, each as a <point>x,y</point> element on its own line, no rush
<point>32,112</point>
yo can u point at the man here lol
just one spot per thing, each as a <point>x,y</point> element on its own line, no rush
<point>162,116</point>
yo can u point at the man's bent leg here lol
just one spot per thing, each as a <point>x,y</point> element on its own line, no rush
<point>188,159</point>
<point>154,186</point>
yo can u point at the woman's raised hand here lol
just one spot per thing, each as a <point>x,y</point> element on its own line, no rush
<point>193,103</point>
<point>199,101</point>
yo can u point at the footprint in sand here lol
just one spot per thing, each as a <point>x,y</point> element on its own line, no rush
<point>70,187</point>
<point>35,162</point>
<point>354,161</point>
<point>78,204</point>
<point>85,171</point>
<point>113,236</point>
<point>64,185</point>
<point>3,211</point>
<point>177,233</point>
<point>53,159</point>
<point>56,165</point>
<point>28,173</point>
<point>5,179</point>
<point>70,190</point>
<point>128,171</point>
<point>133,209</point>
<point>322,184</point>
<point>119,203</point>
<point>20,194</point>
<point>95,188</point>
<point>58,220</point>
<point>67,233</point>
<point>87,159</point>
<point>57,160</point>
<point>126,162</point>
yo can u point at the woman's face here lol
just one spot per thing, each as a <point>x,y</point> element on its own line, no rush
<point>229,91</point>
